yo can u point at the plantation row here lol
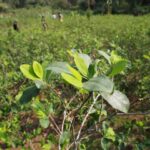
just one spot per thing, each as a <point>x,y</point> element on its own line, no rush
<point>125,38</point>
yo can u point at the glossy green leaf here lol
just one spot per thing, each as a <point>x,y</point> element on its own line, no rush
<point>38,70</point>
<point>117,100</point>
<point>81,65</point>
<point>59,67</point>
<point>28,72</point>
<point>86,58</point>
<point>75,73</point>
<point>72,80</point>
<point>101,83</point>
<point>118,67</point>
<point>110,134</point>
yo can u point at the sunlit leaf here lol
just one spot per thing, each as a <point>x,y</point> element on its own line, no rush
<point>75,73</point>
<point>101,83</point>
<point>118,67</point>
<point>117,100</point>
<point>110,134</point>
<point>72,80</point>
<point>40,114</point>
<point>28,72</point>
<point>115,57</point>
<point>38,70</point>
<point>81,65</point>
<point>86,59</point>
<point>58,67</point>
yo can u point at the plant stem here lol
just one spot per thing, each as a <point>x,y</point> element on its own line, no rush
<point>54,123</point>
<point>85,118</point>
<point>62,127</point>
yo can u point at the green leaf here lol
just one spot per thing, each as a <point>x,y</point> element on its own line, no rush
<point>72,80</point>
<point>86,58</point>
<point>91,70</point>
<point>44,122</point>
<point>64,139</point>
<point>118,67</point>
<point>59,67</point>
<point>117,100</point>
<point>110,134</point>
<point>75,73</point>
<point>28,94</point>
<point>101,83</point>
<point>38,70</point>
<point>115,57</point>
<point>28,72</point>
<point>81,65</point>
<point>105,55</point>
<point>82,61</point>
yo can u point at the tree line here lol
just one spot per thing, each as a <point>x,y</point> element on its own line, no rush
<point>97,6</point>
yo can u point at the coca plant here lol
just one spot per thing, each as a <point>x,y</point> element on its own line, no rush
<point>86,75</point>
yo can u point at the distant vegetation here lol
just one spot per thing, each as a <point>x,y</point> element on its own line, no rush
<point>136,7</point>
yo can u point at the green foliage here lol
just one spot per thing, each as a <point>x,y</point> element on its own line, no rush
<point>42,112</point>
<point>117,100</point>
<point>64,139</point>
<point>72,80</point>
<point>28,72</point>
<point>38,69</point>
<point>28,94</point>
<point>59,67</point>
<point>125,46</point>
<point>81,64</point>
<point>99,84</point>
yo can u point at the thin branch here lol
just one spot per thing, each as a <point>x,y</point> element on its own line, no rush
<point>79,108</point>
<point>86,116</point>
<point>63,122</point>
<point>72,99</point>
<point>134,113</point>
<point>100,115</point>
<point>54,123</point>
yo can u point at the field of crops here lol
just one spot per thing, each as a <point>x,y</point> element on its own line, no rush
<point>128,36</point>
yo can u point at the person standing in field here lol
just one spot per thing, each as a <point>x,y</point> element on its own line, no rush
<point>15,26</point>
<point>60,17</point>
<point>44,24</point>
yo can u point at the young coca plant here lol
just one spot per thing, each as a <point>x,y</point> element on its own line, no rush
<point>86,77</point>
<point>36,73</point>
